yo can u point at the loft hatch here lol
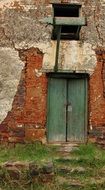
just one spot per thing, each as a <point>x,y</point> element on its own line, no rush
<point>69,15</point>
<point>66,20</point>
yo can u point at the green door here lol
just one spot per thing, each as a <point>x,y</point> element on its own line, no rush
<point>66,118</point>
<point>56,112</point>
<point>76,110</point>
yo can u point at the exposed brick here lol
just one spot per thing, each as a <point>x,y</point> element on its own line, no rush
<point>15,139</point>
<point>97,98</point>
<point>32,134</point>
<point>29,105</point>
<point>17,132</point>
<point>3,128</point>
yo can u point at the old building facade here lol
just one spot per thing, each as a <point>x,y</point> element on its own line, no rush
<point>37,100</point>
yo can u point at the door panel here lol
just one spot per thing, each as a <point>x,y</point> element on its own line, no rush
<point>56,121</point>
<point>67,110</point>
<point>76,110</point>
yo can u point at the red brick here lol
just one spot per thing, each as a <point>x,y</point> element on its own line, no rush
<point>29,105</point>
<point>97,99</point>
<point>32,134</point>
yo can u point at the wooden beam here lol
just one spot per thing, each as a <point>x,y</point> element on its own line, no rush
<point>73,21</point>
<point>57,48</point>
<point>78,31</point>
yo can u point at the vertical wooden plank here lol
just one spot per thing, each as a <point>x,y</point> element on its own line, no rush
<point>76,110</point>
<point>86,107</point>
<point>56,121</point>
<point>57,47</point>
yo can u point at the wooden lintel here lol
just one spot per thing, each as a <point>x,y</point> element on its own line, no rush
<point>73,21</point>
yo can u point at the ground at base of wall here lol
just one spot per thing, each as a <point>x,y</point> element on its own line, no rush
<point>41,167</point>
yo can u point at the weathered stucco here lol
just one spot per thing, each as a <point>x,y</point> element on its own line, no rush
<point>73,56</point>
<point>10,72</point>
<point>20,22</point>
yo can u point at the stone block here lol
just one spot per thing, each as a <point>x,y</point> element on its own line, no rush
<point>33,170</point>
<point>48,168</point>
<point>13,173</point>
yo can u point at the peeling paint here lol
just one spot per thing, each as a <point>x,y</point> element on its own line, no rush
<point>73,55</point>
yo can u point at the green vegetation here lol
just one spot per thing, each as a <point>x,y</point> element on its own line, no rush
<point>81,169</point>
<point>26,152</point>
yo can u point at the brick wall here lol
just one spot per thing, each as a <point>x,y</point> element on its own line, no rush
<point>26,121</point>
<point>97,97</point>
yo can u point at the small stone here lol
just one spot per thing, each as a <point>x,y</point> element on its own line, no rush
<point>21,165</point>
<point>33,169</point>
<point>64,171</point>
<point>68,148</point>
<point>8,164</point>
<point>78,170</point>
<point>48,168</point>
<point>73,185</point>
<point>46,178</point>
<point>13,172</point>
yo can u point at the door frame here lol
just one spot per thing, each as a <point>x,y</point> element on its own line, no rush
<point>70,76</point>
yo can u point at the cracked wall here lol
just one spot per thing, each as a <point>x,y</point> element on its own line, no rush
<point>26,119</point>
<point>26,52</point>
<point>10,71</point>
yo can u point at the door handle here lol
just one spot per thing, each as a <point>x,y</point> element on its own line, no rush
<point>69,107</point>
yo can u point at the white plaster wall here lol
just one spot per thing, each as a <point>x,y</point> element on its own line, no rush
<point>10,72</point>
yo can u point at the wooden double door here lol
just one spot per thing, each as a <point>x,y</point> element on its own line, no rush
<point>67,109</point>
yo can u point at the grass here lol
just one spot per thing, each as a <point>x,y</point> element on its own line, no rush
<point>90,155</point>
<point>28,152</point>
<point>82,169</point>
<point>86,155</point>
